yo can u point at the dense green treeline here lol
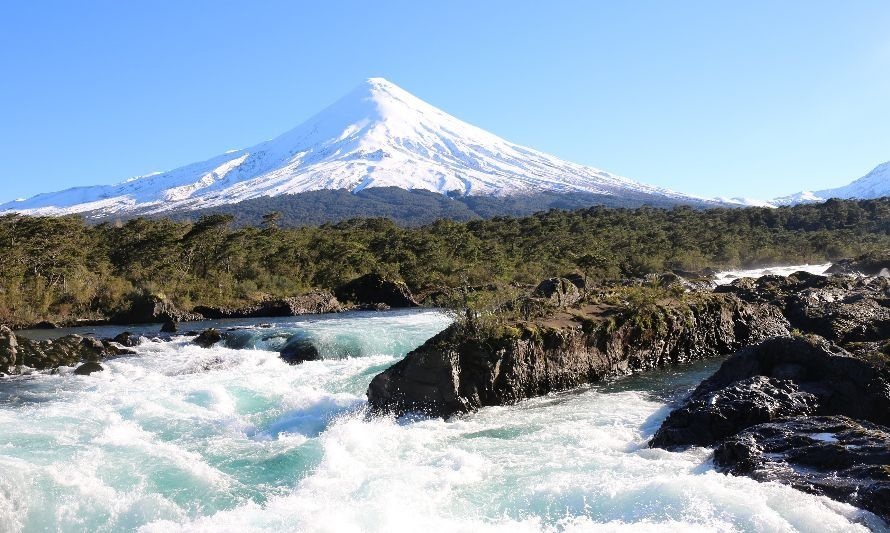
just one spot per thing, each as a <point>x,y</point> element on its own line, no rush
<point>56,268</point>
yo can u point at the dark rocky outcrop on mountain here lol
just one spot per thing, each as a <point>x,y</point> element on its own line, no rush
<point>464,367</point>
<point>153,309</point>
<point>835,456</point>
<point>315,302</point>
<point>374,289</point>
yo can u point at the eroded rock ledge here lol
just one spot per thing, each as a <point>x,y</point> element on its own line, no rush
<point>466,367</point>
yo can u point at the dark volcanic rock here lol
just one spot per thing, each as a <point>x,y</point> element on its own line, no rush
<point>126,339</point>
<point>208,338</point>
<point>152,309</point>
<point>64,351</point>
<point>834,456</point>
<point>874,264</point>
<point>374,289</point>
<point>299,349</point>
<point>559,292</point>
<point>311,303</point>
<point>712,416</point>
<point>462,369</point>
<point>88,368</point>
<point>843,383</point>
<point>840,308</point>
<point>8,350</point>
<point>45,324</point>
<point>170,327</point>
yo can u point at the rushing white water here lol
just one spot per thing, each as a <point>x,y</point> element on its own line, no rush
<point>223,439</point>
<point>722,278</point>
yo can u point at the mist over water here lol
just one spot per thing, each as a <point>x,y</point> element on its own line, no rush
<point>232,439</point>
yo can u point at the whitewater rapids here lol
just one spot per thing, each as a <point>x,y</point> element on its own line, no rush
<point>181,438</point>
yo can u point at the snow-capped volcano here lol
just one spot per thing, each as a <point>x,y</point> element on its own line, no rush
<point>875,184</point>
<point>378,135</point>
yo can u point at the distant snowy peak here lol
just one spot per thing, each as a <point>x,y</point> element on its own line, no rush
<point>379,135</point>
<point>875,184</point>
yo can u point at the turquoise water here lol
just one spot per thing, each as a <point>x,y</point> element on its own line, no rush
<point>233,439</point>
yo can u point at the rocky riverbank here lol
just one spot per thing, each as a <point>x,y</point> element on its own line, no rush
<point>369,292</point>
<point>803,399</point>
<point>811,411</point>
<point>469,366</point>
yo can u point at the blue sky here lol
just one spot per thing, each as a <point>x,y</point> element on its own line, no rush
<point>714,98</point>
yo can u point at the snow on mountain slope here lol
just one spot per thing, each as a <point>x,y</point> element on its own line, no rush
<point>377,136</point>
<point>875,184</point>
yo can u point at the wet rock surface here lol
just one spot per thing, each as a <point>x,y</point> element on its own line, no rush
<point>88,368</point>
<point>711,416</point>
<point>208,338</point>
<point>462,369</point>
<point>835,456</point>
<point>17,352</point>
<point>298,350</point>
<point>126,339</point>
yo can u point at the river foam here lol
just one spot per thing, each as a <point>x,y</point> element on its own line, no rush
<point>181,438</point>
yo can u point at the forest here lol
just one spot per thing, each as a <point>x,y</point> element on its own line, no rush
<point>64,268</point>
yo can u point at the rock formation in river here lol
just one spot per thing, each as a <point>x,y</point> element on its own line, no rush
<point>465,367</point>
<point>835,456</point>
<point>779,378</point>
<point>17,352</point>
<point>759,407</point>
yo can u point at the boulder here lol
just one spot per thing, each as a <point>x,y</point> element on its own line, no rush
<point>45,324</point>
<point>577,280</point>
<point>208,338</point>
<point>373,289</point>
<point>834,456</point>
<point>558,292</point>
<point>843,383</point>
<point>88,368</point>
<point>126,339</point>
<point>170,326</point>
<point>64,351</point>
<point>466,367</point>
<point>714,415</point>
<point>8,350</point>
<point>299,349</point>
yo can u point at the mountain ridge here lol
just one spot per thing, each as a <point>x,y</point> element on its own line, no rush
<point>378,135</point>
<point>875,184</point>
